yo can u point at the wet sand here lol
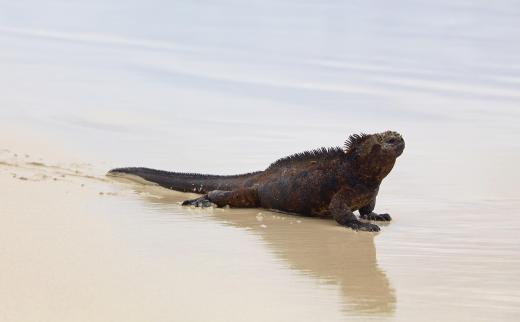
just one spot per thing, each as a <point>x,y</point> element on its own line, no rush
<point>81,246</point>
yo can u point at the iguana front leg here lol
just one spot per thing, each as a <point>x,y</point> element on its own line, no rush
<point>341,212</point>
<point>367,212</point>
<point>241,198</point>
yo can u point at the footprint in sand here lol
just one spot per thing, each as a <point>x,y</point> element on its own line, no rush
<point>101,193</point>
<point>36,164</point>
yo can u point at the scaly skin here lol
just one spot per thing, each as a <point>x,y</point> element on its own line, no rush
<point>330,182</point>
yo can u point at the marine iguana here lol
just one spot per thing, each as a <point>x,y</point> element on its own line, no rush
<point>326,182</point>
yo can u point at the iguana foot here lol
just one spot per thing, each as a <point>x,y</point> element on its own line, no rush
<point>202,202</point>
<point>361,226</point>
<point>378,217</point>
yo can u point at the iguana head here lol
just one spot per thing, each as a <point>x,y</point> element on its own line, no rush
<point>372,156</point>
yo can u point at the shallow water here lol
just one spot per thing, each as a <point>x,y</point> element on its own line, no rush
<point>228,87</point>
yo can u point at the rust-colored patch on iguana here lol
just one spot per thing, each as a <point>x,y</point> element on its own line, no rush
<point>327,182</point>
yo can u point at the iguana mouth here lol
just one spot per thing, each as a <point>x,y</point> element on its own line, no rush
<point>400,148</point>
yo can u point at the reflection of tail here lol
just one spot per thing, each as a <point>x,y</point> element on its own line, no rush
<point>186,182</point>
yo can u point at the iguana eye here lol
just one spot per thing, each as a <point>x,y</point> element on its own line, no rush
<point>392,141</point>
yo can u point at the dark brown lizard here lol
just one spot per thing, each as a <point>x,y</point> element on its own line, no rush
<point>327,182</point>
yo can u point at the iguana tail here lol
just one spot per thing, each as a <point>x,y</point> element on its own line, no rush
<point>187,182</point>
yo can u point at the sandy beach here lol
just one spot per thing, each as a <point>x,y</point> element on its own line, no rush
<point>82,246</point>
<point>79,245</point>
<point>228,87</point>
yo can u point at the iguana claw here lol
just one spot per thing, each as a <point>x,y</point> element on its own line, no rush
<point>377,217</point>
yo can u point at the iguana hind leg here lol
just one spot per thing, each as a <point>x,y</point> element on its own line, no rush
<point>241,198</point>
<point>202,202</point>
<point>367,212</point>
